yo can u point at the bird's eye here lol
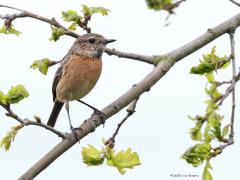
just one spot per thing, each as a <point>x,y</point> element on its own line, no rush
<point>91,40</point>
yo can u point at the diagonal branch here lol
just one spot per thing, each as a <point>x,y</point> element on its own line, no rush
<point>235,2</point>
<point>164,65</point>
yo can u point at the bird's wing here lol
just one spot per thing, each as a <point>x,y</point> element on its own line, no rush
<point>58,76</point>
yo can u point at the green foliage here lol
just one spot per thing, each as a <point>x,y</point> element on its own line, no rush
<point>56,33</point>
<point>76,19</point>
<point>15,94</point>
<point>89,11</point>
<point>208,127</point>
<point>206,173</point>
<point>120,160</point>
<point>41,65</point>
<point>210,62</point>
<point>71,15</point>
<point>9,137</point>
<point>92,156</point>
<point>158,4</point>
<point>9,30</point>
<point>197,154</point>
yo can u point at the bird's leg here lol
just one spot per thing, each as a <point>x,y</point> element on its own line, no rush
<point>67,109</point>
<point>69,119</point>
<point>96,111</point>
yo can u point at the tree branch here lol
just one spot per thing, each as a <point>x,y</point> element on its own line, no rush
<point>130,111</point>
<point>67,32</point>
<point>232,41</point>
<point>27,122</point>
<point>235,2</point>
<point>164,65</point>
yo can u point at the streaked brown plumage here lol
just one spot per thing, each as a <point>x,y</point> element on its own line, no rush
<point>78,72</point>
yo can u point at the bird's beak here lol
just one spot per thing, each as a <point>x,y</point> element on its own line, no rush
<point>109,41</point>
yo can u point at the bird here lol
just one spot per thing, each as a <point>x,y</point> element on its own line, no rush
<point>77,73</point>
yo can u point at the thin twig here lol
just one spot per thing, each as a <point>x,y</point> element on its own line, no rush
<point>232,41</point>
<point>25,13</point>
<point>130,111</point>
<point>27,122</point>
<point>235,2</point>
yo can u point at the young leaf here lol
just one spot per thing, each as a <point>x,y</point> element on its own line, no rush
<point>9,30</point>
<point>9,137</point>
<point>103,11</point>
<point>41,65</point>
<point>56,33</point>
<point>225,130</point>
<point>158,4</point>
<point>71,16</point>
<point>122,159</point>
<point>16,94</point>
<point>2,98</point>
<point>206,173</point>
<point>197,154</point>
<point>86,10</point>
<point>92,156</point>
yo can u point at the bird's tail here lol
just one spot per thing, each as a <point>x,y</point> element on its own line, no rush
<point>54,114</point>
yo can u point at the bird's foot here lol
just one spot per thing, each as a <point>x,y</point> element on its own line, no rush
<point>101,115</point>
<point>74,131</point>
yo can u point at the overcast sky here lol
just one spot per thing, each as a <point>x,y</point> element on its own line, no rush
<point>159,129</point>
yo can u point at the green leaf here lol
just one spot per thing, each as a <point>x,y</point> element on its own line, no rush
<point>9,137</point>
<point>71,16</point>
<point>209,63</point>
<point>158,4</point>
<point>89,11</point>
<point>73,26</point>
<point>2,98</point>
<point>197,154</point>
<point>16,94</point>
<point>86,10</point>
<point>225,130</point>
<point>9,30</point>
<point>210,77</point>
<point>56,33</point>
<point>101,10</point>
<point>41,65</point>
<point>206,173</point>
<point>92,156</point>
<point>122,159</point>
<point>195,132</point>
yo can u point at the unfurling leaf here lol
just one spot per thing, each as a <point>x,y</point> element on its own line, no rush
<point>92,156</point>
<point>2,98</point>
<point>158,4</point>
<point>122,159</point>
<point>225,130</point>
<point>41,65</point>
<point>89,11</point>
<point>9,30</point>
<point>56,33</point>
<point>197,154</point>
<point>16,94</point>
<point>9,137</point>
<point>206,173</point>
<point>103,11</point>
<point>71,16</point>
<point>210,62</point>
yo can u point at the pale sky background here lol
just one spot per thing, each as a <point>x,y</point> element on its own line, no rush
<point>159,129</point>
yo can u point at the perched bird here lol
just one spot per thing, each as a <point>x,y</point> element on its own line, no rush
<point>78,73</point>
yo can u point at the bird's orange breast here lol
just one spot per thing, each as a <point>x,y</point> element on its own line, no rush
<point>80,75</point>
